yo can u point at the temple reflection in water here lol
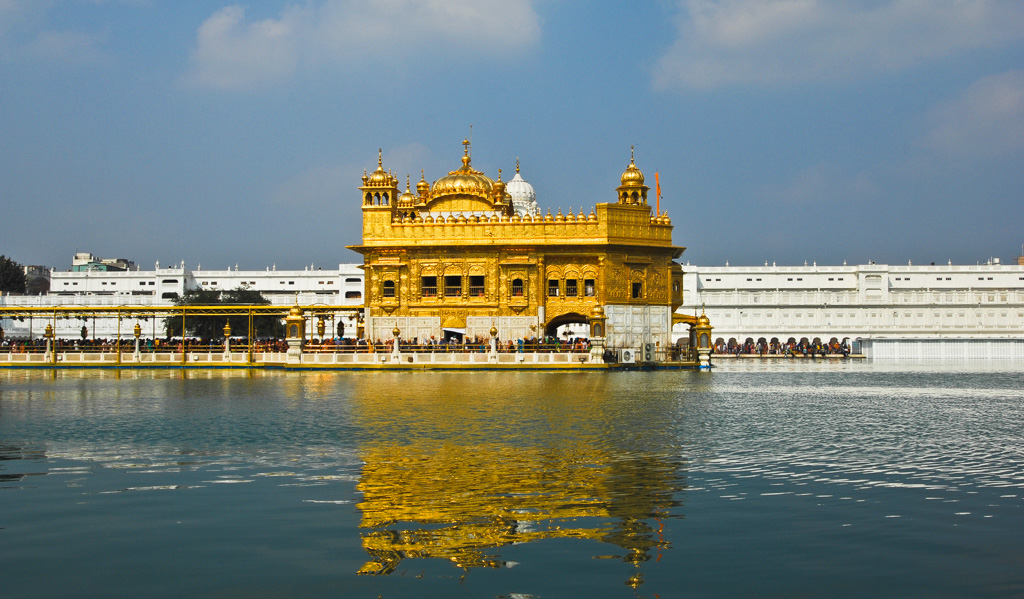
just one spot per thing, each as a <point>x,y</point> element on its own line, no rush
<point>436,486</point>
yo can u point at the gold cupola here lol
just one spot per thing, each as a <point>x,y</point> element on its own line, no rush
<point>466,181</point>
<point>379,178</point>
<point>423,188</point>
<point>380,188</point>
<point>407,199</point>
<point>632,190</point>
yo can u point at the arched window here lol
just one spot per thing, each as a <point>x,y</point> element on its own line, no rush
<point>389,289</point>
<point>517,288</point>
<point>384,199</point>
<point>376,199</point>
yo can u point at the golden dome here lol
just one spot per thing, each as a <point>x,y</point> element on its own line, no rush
<point>379,178</point>
<point>407,198</point>
<point>632,176</point>
<point>464,181</point>
<point>422,188</point>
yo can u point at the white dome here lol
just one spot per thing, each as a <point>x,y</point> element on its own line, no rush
<point>524,199</point>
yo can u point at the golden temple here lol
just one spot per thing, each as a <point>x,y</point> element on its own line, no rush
<point>467,253</point>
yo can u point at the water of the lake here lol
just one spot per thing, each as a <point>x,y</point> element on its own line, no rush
<point>812,480</point>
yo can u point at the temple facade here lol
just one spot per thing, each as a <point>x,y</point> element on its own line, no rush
<point>466,253</point>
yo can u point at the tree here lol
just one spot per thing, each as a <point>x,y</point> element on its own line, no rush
<point>37,285</point>
<point>209,327</point>
<point>12,276</point>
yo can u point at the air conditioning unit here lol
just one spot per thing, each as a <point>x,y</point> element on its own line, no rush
<point>648,352</point>
<point>627,356</point>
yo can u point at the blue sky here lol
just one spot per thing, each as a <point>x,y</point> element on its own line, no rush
<point>783,130</point>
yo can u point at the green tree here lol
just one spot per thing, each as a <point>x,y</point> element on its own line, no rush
<point>36,285</point>
<point>12,276</point>
<point>212,327</point>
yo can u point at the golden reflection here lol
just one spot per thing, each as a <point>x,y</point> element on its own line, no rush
<point>458,477</point>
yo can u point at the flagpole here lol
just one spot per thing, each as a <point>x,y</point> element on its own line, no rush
<point>657,184</point>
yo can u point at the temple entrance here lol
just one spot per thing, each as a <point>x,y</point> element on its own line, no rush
<point>575,324</point>
<point>454,334</point>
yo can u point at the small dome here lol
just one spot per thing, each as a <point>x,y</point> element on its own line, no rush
<point>632,176</point>
<point>524,198</point>
<point>379,178</point>
<point>407,198</point>
<point>422,188</point>
<point>703,320</point>
<point>597,312</point>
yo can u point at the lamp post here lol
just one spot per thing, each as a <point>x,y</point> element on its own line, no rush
<point>137,331</point>
<point>493,354</point>
<point>227,340</point>
<point>597,321</point>
<point>395,349</point>
<point>48,334</point>
<point>295,325</point>
<point>703,334</point>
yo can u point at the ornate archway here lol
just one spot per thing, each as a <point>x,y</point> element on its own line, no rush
<point>551,328</point>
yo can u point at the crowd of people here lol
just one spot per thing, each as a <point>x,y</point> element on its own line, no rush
<point>790,348</point>
<point>127,344</point>
<point>329,344</point>
<point>451,344</point>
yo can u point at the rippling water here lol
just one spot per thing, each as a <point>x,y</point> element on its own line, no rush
<point>812,480</point>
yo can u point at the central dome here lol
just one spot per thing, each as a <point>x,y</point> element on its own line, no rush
<point>464,181</point>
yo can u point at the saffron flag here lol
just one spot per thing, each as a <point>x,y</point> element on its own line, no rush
<point>657,186</point>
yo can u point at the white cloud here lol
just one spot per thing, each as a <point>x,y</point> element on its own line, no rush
<point>26,34</point>
<point>69,46</point>
<point>742,42</point>
<point>232,52</point>
<point>985,120</point>
<point>824,184</point>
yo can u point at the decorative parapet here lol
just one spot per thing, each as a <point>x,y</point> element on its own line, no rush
<point>607,224</point>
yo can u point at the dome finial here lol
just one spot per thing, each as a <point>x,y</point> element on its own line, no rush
<point>380,158</point>
<point>631,154</point>
<point>517,164</point>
